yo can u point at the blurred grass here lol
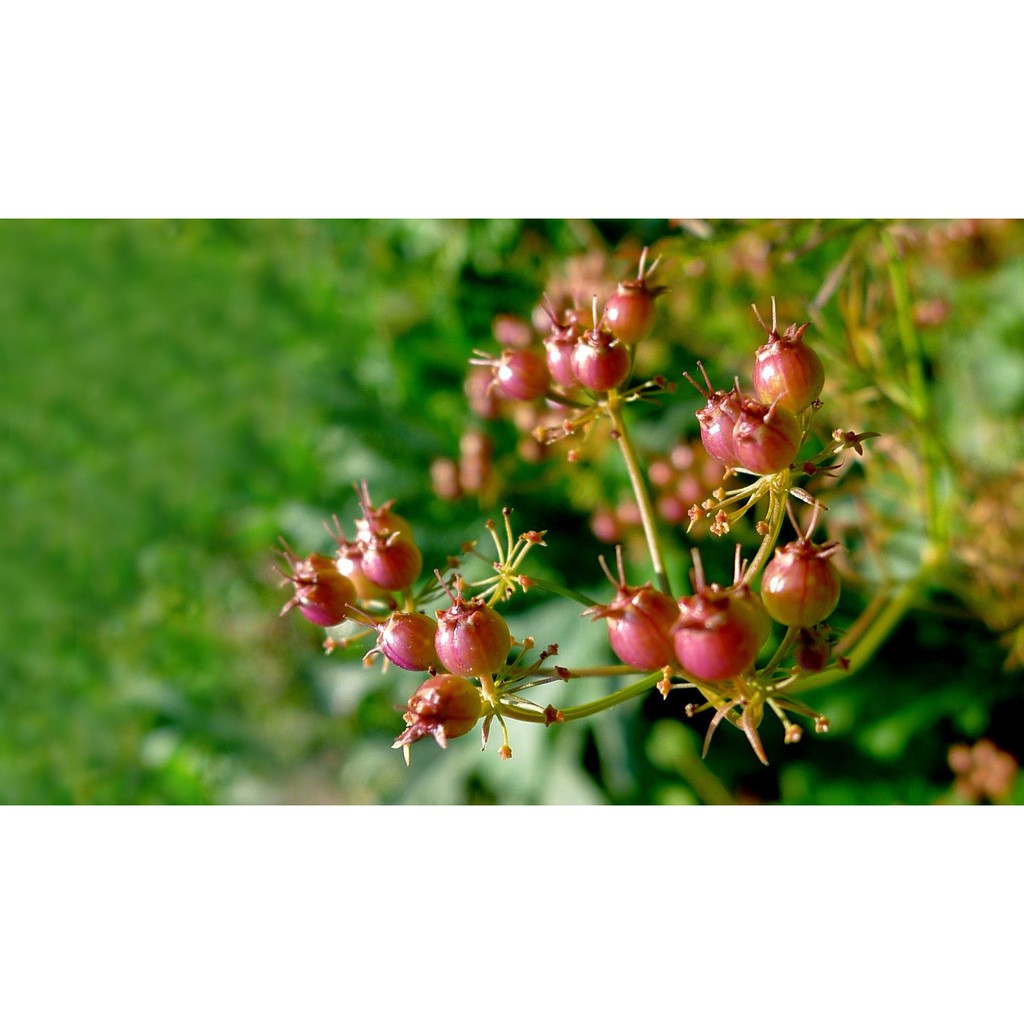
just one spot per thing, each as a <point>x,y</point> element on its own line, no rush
<point>177,394</point>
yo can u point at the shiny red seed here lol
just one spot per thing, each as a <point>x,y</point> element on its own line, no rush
<point>717,637</point>
<point>392,562</point>
<point>788,370</point>
<point>407,640</point>
<point>717,419</point>
<point>629,313</point>
<point>720,629</point>
<point>558,348</point>
<point>522,374</point>
<point>800,585</point>
<point>322,594</point>
<point>350,563</point>
<point>472,639</point>
<point>765,438</point>
<point>445,707</point>
<point>639,621</point>
<point>599,362</point>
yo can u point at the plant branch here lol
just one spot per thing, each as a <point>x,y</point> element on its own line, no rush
<point>613,405</point>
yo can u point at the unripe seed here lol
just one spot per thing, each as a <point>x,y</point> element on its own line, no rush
<point>719,631</point>
<point>392,562</point>
<point>350,563</point>
<point>522,374</point>
<point>765,438</point>
<point>380,520</point>
<point>472,639</point>
<point>717,419</point>
<point>812,650</point>
<point>407,640</point>
<point>716,637</point>
<point>599,362</point>
<point>559,348</point>
<point>800,585</point>
<point>629,313</point>
<point>788,370</point>
<point>445,706</point>
<point>754,606</point>
<point>639,620</point>
<point>322,594</point>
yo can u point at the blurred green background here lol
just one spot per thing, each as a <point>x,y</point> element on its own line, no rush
<point>179,394</point>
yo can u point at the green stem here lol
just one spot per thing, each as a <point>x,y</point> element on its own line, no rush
<point>776,514</point>
<point>557,588</point>
<point>560,399</point>
<point>592,707</point>
<point>613,405</point>
<point>602,670</point>
<point>934,456</point>
<point>912,352</point>
<point>785,646</point>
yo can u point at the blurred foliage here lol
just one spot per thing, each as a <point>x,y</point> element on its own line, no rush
<point>178,394</point>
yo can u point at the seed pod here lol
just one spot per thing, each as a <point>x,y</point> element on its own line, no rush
<point>719,631</point>
<point>599,362</point>
<point>800,585</point>
<point>379,520</point>
<point>349,562</point>
<point>392,562</point>
<point>407,640</point>
<point>520,374</point>
<point>639,620</point>
<point>786,369</point>
<point>472,639</point>
<point>559,346</point>
<point>445,706</point>
<point>322,594</point>
<point>765,438</point>
<point>812,650</point>
<point>717,419</point>
<point>629,313</point>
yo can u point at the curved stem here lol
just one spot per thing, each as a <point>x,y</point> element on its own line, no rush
<point>613,405</point>
<point>776,514</point>
<point>563,400</point>
<point>785,646</point>
<point>557,588</point>
<point>590,707</point>
<point>602,670</point>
